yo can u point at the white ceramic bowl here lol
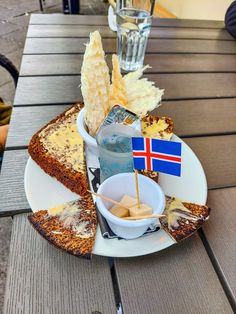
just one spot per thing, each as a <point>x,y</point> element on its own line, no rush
<point>124,183</point>
<point>82,129</point>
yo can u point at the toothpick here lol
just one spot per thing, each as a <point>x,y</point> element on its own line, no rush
<point>137,189</point>
<point>109,199</point>
<point>143,217</point>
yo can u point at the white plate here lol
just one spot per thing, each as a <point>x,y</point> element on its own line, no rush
<point>43,191</point>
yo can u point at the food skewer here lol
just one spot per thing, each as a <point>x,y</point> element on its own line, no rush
<point>137,189</point>
<point>109,199</point>
<point>144,217</point>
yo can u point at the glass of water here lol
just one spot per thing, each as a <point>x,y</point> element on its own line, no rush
<point>115,149</point>
<point>134,19</point>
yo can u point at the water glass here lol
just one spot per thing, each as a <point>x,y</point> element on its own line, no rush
<point>115,149</point>
<point>134,19</point>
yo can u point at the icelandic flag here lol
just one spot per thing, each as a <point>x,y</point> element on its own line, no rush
<point>157,155</point>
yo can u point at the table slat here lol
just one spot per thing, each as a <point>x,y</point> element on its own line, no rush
<point>84,31</point>
<point>76,45</point>
<point>191,118</point>
<point>164,282</point>
<point>32,65</point>
<point>61,89</point>
<point>220,232</point>
<point>43,279</point>
<point>217,157</point>
<point>20,134</point>
<point>102,20</point>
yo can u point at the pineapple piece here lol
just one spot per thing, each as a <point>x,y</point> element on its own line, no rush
<point>95,83</point>
<point>118,88</point>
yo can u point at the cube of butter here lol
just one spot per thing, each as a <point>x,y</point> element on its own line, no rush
<point>121,212</point>
<point>142,211</point>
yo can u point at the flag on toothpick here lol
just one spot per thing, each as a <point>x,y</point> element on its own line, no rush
<point>157,155</point>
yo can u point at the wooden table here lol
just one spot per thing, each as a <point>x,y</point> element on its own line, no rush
<point>195,61</point>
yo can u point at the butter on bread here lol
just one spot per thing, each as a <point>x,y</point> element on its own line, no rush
<point>95,83</point>
<point>59,150</point>
<point>70,226</point>
<point>157,127</point>
<point>183,218</point>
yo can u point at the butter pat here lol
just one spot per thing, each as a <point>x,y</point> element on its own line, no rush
<point>142,211</point>
<point>121,212</point>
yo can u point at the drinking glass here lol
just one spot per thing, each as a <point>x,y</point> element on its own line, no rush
<point>134,19</point>
<point>115,149</point>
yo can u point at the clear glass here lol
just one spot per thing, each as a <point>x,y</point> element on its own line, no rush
<point>115,150</point>
<point>134,20</point>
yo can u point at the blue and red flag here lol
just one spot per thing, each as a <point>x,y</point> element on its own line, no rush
<point>157,155</point>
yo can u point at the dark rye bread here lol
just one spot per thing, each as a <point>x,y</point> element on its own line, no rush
<point>150,121</point>
<point>185,227</point>
<point>74,180</point>
<point>59,229</point>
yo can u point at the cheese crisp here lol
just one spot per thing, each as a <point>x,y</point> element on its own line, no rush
<point>95,83</point>
<point>138,95</point>
<point>118,94</point>
<point>142,95</point>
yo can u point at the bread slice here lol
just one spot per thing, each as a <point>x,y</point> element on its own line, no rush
<point>70,226</point>
<point>183,218</point>
<point>156,127</point>
<point>59,150</point>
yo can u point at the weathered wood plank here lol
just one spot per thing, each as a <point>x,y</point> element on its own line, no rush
<point>76,45</point>
<point>13,199</point>
<point>43,279</point>
<point>64,89</point>
<point>191,118</point>
<point>168,63</point>
<point>48,90</point>
<point>20,133</point>
<point>220,232</point>
<point>168,279</point>
<point>156,32</point>
<point>102,20</point>
<point>217,155</point>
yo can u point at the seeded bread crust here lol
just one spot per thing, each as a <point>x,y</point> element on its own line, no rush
<point>186,226</point>
<point>52,229</point>
<point>149,120</point>
<point>76,181</point>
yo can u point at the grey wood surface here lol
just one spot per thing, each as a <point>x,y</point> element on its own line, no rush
<point>191,118</point>
<point>165,63</point>
<point>180,279</point>
<point>20,134</point>
<point>217,155</point>
<point>102,20</point>
<point>13,199</point>
<point>61,89</point>
<point>43,279</point>
<point>84,31</point>
<point>76,45</point>
<point>220,232</point>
